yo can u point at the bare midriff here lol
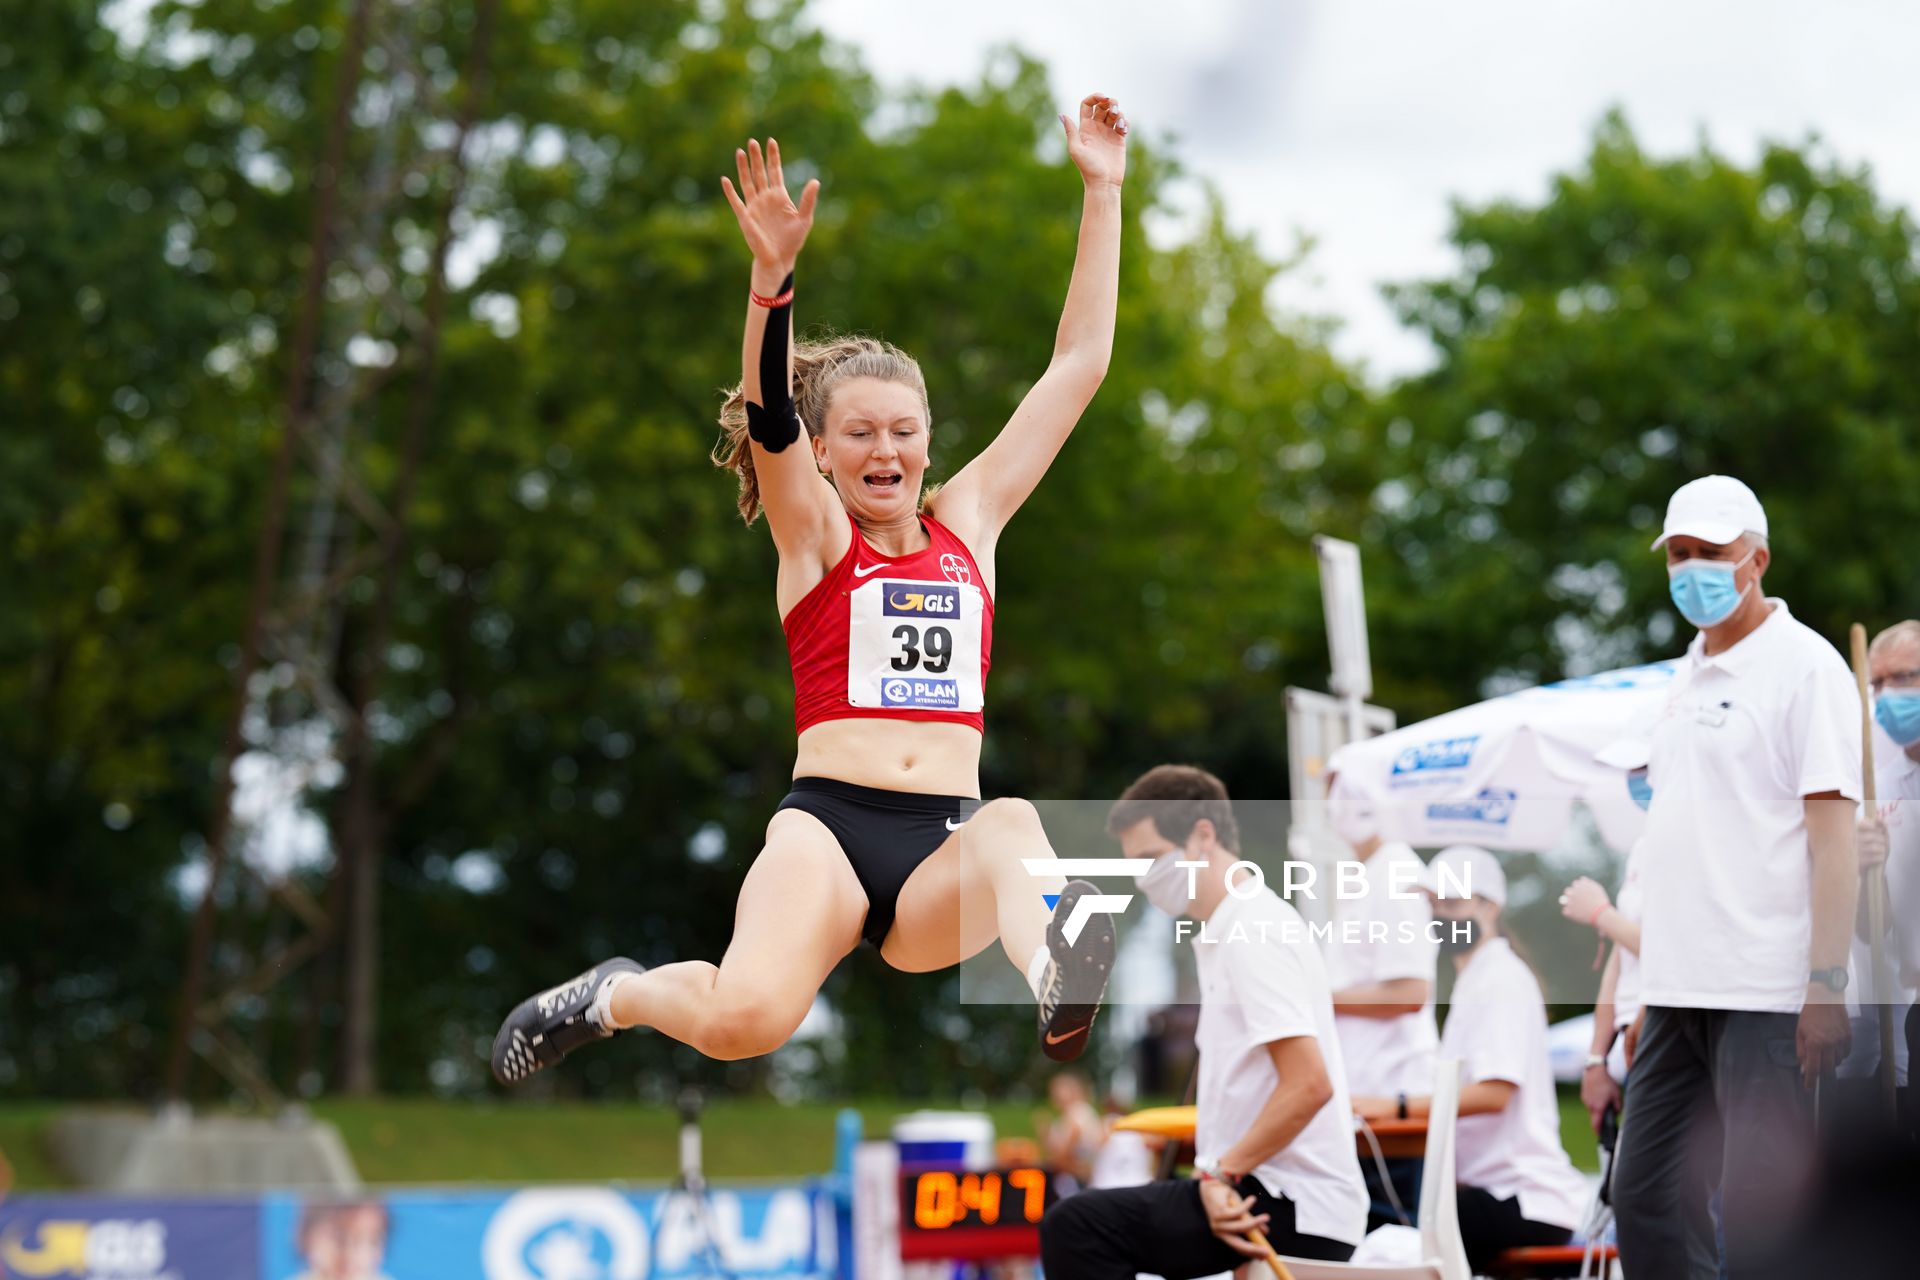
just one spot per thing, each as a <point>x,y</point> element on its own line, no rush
<point>931,757</point>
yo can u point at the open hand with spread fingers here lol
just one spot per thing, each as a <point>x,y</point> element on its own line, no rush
<point>1097,141</point>
<point>774,226</point>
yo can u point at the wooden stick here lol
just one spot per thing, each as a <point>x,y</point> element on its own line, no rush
<point>1875,877</point>
<point>1280,1271</point>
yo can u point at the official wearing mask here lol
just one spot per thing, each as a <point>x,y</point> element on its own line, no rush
<point>1381,959</point>
<point>1750,880</point>
<point>1891,838</point>
<point>1274,1141</point>
<point>1516,1186</point>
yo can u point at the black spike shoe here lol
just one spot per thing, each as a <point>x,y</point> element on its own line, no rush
<point>1076,976</point>
<point>545,1028</point>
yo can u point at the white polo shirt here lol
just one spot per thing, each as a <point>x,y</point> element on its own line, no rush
<point>1745,737</point>
<point>1897,793</point>
<point>1378,937</point>
<point>1261,980</point>
<point>1497,1027</point>
<point>1626,984</point>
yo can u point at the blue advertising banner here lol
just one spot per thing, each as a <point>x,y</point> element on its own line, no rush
<point>545,1233</point>
<point>116,1238</point>
<point>552,1233</point>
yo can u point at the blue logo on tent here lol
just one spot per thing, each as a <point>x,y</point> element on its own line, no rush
<point>1492,807</point>
<point>1643,677</point>
<point>1442,753</point>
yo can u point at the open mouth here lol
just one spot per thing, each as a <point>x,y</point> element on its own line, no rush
<point>884,481</point>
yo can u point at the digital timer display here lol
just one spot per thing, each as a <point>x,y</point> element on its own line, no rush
<point>985,1213</point>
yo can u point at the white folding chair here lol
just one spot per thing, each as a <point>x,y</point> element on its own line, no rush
<point>1442,1255</point>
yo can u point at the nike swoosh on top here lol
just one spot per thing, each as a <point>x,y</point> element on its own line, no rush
<point>1053,1039</point>
<point>858,572</point>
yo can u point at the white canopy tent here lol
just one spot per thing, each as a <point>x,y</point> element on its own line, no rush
<point>1505,774</point>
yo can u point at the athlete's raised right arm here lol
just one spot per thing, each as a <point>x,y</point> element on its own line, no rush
<point>800,505</point>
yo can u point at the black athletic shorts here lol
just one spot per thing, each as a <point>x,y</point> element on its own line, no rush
<point>885,835</point>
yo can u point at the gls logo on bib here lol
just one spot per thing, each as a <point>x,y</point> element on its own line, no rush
<point>922,600</point>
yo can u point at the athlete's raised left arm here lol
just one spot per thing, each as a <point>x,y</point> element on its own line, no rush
<point>987,491</point>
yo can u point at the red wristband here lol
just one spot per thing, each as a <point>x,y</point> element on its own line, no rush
<point>761,300</point>
<point>1604,908</point>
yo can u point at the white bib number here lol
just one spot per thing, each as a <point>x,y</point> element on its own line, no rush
<point>915,646</point>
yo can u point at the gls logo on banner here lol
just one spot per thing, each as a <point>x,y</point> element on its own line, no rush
<point>1442,753</point>
<point>1093,904</point>
<point>1491,807</point>
<point>120,1247</point>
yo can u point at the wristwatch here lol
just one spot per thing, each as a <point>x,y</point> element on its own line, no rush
<point>1834,979</point>
<point>1596,1060</point>
<point>1209,1168</point>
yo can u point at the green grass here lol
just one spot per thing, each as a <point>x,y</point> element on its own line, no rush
<point>422,1140</point>
<point>1576,1131</point>
<point>23,1128</point>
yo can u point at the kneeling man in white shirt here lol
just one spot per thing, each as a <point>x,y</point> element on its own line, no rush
<point>1275,1135</point>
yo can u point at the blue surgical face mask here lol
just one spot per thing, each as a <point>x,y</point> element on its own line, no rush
<point>1703,590</point>
<point>1639,788</point>
<point>1899,714</point>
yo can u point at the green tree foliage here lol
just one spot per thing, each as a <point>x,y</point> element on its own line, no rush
<point>1651,321</point>
<point>585,715</point>
<point>119,556</point>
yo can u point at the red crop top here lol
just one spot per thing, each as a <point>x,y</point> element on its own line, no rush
<point>900,637</point>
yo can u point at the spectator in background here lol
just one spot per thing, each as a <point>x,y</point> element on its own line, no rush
<point>1516,1185</point>
<point>1381,960</point>
<point>343,1240</point>
<point>1891,838</point>
<point>1750,881</point>
<point>1126,1159</point>
<point>1275,1134</point>
<point>1618,924</point>
<point>1070,1137</point>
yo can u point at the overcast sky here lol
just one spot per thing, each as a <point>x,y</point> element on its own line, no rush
<point>1357,122</point>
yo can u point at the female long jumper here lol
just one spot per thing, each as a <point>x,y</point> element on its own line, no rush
<point>887,602</point>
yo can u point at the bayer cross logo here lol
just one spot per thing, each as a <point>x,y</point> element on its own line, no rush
<point>954,567</point>
<point>1093,904</point>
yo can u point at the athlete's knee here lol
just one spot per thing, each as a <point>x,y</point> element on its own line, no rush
<point>746,1027</point>
<point>1007,816</point>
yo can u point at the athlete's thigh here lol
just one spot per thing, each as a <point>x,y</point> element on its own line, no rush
<point>799,912</point>
<point>946,910</point>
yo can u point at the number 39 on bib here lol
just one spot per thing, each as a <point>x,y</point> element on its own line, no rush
<point>915,646</point>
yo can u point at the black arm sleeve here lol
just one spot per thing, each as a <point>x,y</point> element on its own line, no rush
<point>775,425</point>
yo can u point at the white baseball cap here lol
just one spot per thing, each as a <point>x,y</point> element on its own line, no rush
<point>1467,867</point>
<point>1716,509</point>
